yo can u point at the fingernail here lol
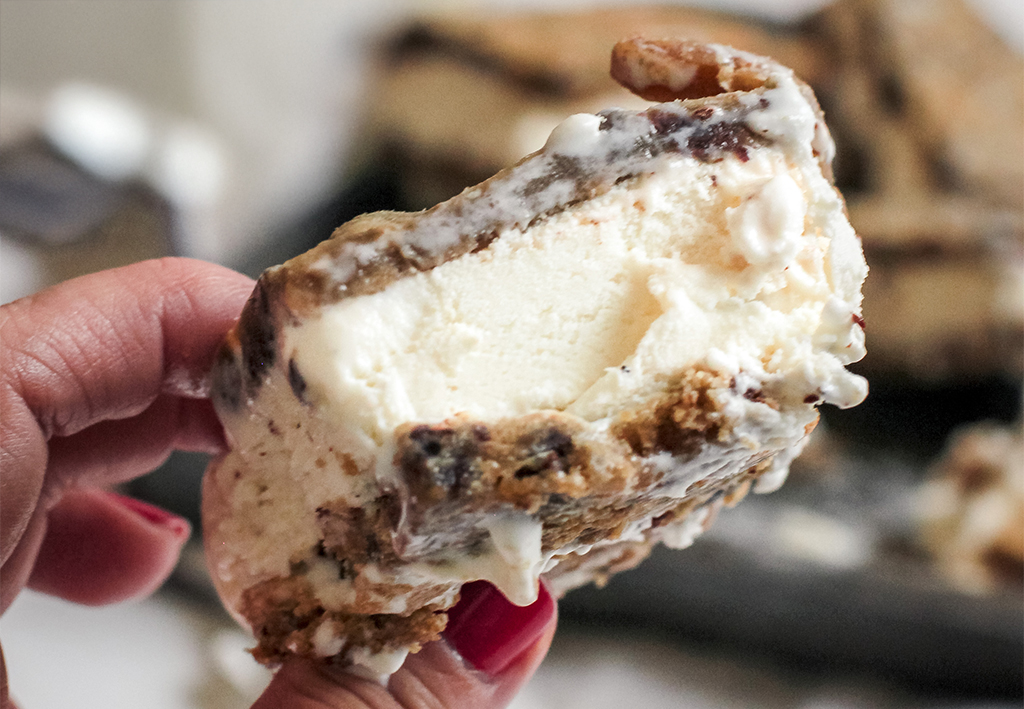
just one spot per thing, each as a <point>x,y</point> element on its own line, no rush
<point>156,515</point>
<point>489,632</point>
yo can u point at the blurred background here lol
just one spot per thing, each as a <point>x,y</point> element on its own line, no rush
<point>888,571</point>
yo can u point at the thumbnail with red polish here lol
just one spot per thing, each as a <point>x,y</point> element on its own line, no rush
<point>489,632</point>
<point>153,514</point>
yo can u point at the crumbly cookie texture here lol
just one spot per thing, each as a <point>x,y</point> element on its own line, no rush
<point>585,355</point>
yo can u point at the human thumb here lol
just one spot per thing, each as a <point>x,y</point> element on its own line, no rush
<point>489,651</point>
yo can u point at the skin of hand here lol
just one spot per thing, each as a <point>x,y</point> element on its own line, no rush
<point>102,377</point>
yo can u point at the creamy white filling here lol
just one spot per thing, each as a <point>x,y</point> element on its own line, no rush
<point>684,533</point>
<point>768,225</point>
<point>773,478</point>
<point>377,666</point>
<point>511,560</point>
<point>582,310</point>
<point>577,135</point>
<point>326,642</point>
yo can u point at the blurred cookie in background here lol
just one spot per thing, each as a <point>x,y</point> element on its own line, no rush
<point>927,106</point>
<point>945,298</point>
<point>930,96</point>
<point>971,509</point>
<point>457,98</point>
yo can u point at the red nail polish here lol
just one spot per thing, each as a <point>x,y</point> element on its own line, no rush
<point>489,632</point>
<point>151,513</point>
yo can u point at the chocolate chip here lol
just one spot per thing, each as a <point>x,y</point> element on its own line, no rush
<point>484,239</point>
<point>527,471</point>
<point>547,450</point>
<point>755,395</point>
<point>555,441</point>
<point>227,380</point>
<point>563,168</point>
<point>439,461</point>
<point>674,439</point>
<point>666,122</point>
<point>710,142</point>
<point>297,381</point>
<point>257,337</point>
<point>372,548</point>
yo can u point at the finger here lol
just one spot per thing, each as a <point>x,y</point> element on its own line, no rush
<point>497,644</point>
<point>105,345</point>
<point>5,694</point>
<point>97,348</point>
<point>116,451</point>
<point>100,547</point>
<point>17,567</point>
<point>489,632</point>
<point>22,461</point>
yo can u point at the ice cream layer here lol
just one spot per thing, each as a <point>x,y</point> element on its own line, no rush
<point>585,312</point>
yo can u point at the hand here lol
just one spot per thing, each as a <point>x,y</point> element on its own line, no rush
<point>102,377</point>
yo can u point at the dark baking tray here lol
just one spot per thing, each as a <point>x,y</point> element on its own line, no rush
<point>897,625</point>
